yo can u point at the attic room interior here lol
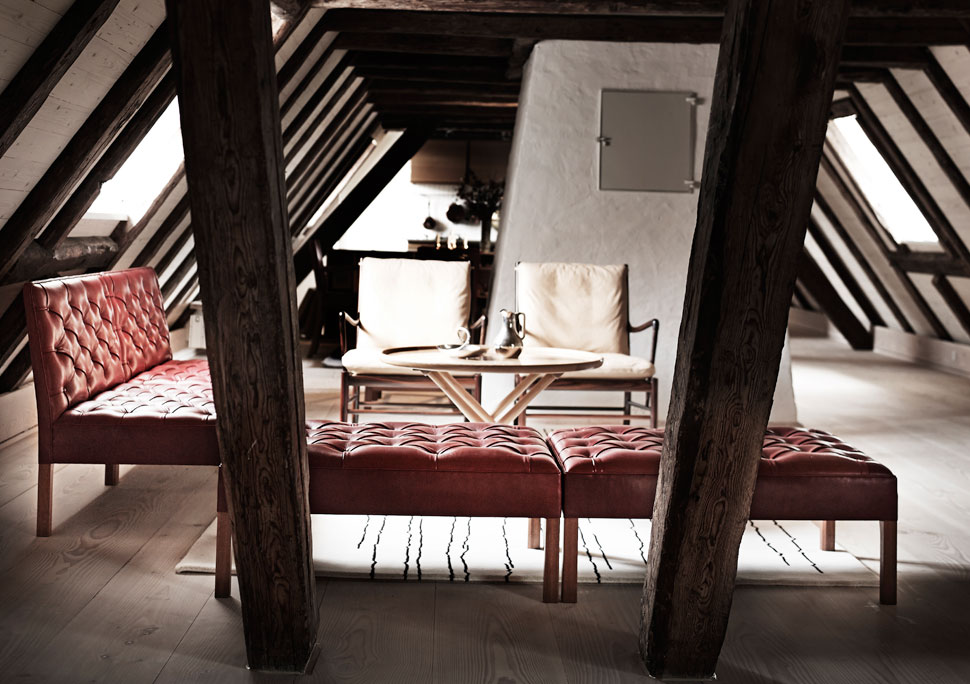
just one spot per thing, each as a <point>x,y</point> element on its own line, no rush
<point>661,308</point>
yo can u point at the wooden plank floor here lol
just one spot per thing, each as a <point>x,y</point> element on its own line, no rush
<point>99,600</point>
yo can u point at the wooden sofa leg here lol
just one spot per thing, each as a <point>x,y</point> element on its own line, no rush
<point>45,498</point>
<point>344,398</point>
<point>550,572</point>
<point>826,539</point>
<point>654,391</point>
<point>570,548</point>
<point>887,562</point>
<point>223,555</point>
<point>112,473</point>
<point>535,534</point>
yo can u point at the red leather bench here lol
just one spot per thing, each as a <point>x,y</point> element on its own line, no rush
<point>611,472</point>
<point>467,469</point>
<point>108,390</point>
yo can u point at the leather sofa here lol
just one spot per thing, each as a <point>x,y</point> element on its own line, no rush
<point>108,390</point>
<point>465,469</point>
<point>612,472</point>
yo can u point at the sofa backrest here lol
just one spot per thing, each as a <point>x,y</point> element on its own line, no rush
<point>89,333</point>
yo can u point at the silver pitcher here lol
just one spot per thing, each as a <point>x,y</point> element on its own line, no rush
<point>509,332</point>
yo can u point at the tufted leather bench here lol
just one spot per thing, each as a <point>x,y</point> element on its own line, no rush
<point>467,469</point>
<point>108,390</point>
<point>611,472</point>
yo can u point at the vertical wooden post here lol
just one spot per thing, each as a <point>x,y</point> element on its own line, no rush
<point>223,56</point>
<point>772,91</point>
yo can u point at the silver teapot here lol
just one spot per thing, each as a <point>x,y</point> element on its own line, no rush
<point>509,332</point>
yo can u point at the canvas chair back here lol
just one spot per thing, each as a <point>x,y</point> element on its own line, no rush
<point>575,306</point>
<point>406,302</point>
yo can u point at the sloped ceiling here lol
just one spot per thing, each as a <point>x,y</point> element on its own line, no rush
<point>84,81</point>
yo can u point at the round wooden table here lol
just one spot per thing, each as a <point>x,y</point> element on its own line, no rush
<point>540,366</point>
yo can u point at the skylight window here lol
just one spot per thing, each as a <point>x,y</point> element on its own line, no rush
<point>142,177</point>
<point>893,206</point>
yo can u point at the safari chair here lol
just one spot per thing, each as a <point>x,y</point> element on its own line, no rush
<point>586,306</point>
<point>403,302</point>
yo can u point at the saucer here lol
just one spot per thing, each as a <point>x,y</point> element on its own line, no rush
<point>462,351</point>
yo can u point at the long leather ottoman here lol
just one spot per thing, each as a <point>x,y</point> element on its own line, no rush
<point>467,469</point>
<point>611,472</point>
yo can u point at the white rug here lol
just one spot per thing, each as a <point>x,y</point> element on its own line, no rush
<point>494,550</point>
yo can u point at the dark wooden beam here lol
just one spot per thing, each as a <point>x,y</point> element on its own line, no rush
<point>849,190</point>
<point>851,75</point>
<point>862,261</point>
<point>336,223</point>
<point>321,183</point>
<point>287,103</point>
<point>229,108</point>
<point>350,131</point>
<point>845,275</point>
<point>177,246</point>
<point>929,262</point>
<point>386,86</point>
<point>933,143</point>
<point>301,54</point>
<point>424,44</point>
<point>948,90</point>
<point>884,56</point>
<point>322,94</point>
<point>38,262</point>
<point>28,90</point>
<point>953,300</point>
<point>842,107</point>
<point>476,77</point>
<point>86,146</point>
<point>860,8</point>
<point>397,100</point>
<point>350,111</point>
<point>811,276</point>
<point>908,178</point>
<point>773,87</point>
<point>616,28</point>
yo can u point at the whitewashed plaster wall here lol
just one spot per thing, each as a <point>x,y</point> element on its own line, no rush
<point>554,212</point>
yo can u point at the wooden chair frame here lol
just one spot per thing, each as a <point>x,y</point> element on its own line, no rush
<point>354,403</point>
<point>649,386</point>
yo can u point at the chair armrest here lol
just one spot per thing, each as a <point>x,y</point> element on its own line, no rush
<point>343,318</point>
<point>480,325</point>
<point>652,323</point>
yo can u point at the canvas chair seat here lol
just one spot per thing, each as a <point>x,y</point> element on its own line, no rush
<point>587,307</point>
<point>369,362</point>
<point>402,303</point>
<point>616,367</point>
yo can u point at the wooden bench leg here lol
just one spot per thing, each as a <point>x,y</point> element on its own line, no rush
<point>826,540</point>
<point>570,549</point>
<point>887,562</point>
<point>535,535</point>
<point>112,473</point>
<point>550,573</point>
<point>223,541</point>
<point>223,555</point>
<point>45,499</point>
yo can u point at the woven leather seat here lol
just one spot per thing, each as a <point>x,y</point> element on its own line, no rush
<point>466,469</point>
<point>612,472</point>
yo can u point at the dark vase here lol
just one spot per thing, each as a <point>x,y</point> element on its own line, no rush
<point>486,242</point>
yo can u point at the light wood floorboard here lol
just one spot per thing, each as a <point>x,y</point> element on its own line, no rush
<point>99,600</point>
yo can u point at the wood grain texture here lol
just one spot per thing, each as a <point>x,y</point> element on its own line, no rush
<point>503,635</point>
<point>365,625</point>
<point>223,54</point>
<point>864,8</point>
<point>28,90</point>
<point>774,83</point>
